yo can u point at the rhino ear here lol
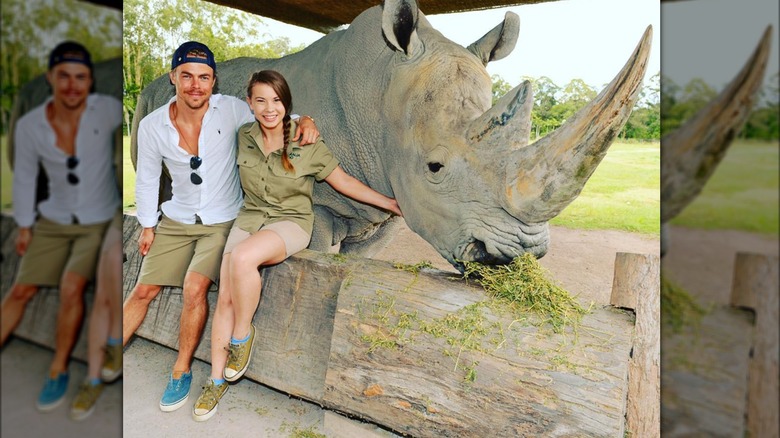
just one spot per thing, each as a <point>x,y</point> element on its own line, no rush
<point>499,42</point>
<point>399,25</point>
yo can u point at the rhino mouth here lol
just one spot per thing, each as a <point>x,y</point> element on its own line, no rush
<point>499,242</point>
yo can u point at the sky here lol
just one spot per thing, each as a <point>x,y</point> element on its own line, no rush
<point>722,37</point>
<point>563,40</point>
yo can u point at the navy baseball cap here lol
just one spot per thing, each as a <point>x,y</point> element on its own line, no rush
<point>69,51</point>
<point>193,51</point>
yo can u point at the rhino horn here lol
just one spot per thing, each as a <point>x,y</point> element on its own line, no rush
<point>690,154</point>
<point>513,112</point>
<point>544,177</point>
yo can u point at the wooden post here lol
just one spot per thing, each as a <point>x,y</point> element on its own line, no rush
<point>756,286</point>
<point>637,285</point>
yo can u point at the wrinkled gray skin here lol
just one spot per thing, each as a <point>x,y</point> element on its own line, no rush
<point>690,155</point>
<point>408,112</point>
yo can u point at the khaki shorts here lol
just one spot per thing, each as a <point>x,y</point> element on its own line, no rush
<point>55,249</point>
<point>295,238</point>
<point>116,221</point>
<point>179,248</point>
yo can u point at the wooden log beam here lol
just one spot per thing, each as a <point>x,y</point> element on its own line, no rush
<point>636,285</point>
<point>40,317</point>
<point>397,348</point>
<point>756,287</point>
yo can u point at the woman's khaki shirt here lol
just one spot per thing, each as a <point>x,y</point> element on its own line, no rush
<point>271,193</point>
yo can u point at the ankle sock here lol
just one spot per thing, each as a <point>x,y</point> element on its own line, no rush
<point>240,341</point>
<point>218,381</point>
<point>95,381</point>
<point>113,341</point>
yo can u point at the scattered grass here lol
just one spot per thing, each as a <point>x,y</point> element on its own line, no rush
<point>678,307</point>
<point>741,194</point>
<point>622,194</point>
<point>523,286</point>
<point>414,269</point>
<point>520,288</point>
<point>306,433</point>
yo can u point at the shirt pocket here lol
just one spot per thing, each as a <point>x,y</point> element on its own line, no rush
<point>249,169</point>
<point>286,184</point>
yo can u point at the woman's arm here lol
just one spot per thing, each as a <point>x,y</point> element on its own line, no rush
<point>358,191</point>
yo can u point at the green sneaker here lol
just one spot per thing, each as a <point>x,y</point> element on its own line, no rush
<point>112,364</point>
<point>206,405</point>
<point>84,403</point>
<point>239,356</point>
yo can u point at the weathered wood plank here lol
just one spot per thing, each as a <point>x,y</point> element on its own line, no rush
<point>536,384</point>
<point>756,286</point>
<point>40,317</point>
<point>704,379</point>
<point>317,316</point>
<point>636,285</point>
<point>294,320</point>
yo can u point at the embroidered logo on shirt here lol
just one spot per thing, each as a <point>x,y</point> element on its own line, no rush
<point>292,155</point>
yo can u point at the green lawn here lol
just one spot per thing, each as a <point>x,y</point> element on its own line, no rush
<point>742,193</point>
<point>622,194</point>
<point>128,178</point>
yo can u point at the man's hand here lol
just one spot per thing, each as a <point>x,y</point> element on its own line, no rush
<point>306,130</point>
<point>23,240</point>
<point>145,240</point>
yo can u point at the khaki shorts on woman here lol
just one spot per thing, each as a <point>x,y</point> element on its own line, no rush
<point>294,237</point>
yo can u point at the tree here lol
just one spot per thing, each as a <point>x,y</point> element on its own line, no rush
<point>30,29</point>
<point>153,30</point>
<point>500,87</point>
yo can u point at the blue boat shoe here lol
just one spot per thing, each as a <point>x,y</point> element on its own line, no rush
<point>53,392</point>
<point>176,393</point>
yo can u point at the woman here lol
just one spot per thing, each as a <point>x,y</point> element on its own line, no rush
<point>275,222</point>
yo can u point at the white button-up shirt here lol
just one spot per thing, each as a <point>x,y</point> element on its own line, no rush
<point>94,198</point>
<point>218,198</point>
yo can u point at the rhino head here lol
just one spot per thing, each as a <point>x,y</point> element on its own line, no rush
<point>465,175</point>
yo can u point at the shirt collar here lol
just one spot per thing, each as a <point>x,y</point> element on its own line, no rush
<point>255,132</point>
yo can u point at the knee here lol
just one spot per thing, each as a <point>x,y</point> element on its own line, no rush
<point>194,292</point>
<point>241,261</point>
<point>22,292</point>
<point>144,292</point>
<point>71,293</point>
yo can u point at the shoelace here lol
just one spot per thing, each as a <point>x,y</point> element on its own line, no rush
<point>175,383</point>
<point>109,356</point>
<point>87,392</point>
<point>234,353</point>
<point>209,393</point>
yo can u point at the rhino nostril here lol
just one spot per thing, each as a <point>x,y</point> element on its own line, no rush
<point>434,166</point>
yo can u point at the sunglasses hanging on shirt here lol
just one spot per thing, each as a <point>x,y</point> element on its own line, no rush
<point>195,163</point>
<point>72,162</point>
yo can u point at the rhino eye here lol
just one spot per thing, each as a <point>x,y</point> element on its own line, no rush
<point>434,166</point>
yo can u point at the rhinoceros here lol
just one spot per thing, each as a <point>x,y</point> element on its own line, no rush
<point>690,155</point>
<point>408,112</point>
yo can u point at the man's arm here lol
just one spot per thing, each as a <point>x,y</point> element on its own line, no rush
<point>307,130</point>
<point>147,183</point>
<point>25,177</point>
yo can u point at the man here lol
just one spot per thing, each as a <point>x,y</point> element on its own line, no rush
<point>71,135</point>
<point>195,136</point>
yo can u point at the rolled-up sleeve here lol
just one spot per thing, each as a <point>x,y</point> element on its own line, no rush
<point>147,182</point>
<point>25,177</point>
<point>322,161</point>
